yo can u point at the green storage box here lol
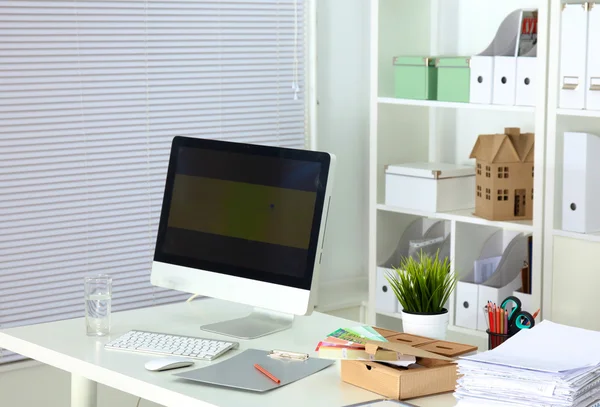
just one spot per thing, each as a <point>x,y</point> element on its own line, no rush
<point>415,78</point>
<point>453,79</point>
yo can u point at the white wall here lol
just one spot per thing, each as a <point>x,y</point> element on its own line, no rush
<point>343,130</point>
<point>343,126</point>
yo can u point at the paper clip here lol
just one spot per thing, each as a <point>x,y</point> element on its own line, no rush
<point>280,354</point>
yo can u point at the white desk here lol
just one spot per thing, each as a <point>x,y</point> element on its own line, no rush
<point>64,345</point>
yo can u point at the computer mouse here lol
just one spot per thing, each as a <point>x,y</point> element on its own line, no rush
<point>167,363</point>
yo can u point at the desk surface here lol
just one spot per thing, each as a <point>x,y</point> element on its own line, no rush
<point>64,345</point>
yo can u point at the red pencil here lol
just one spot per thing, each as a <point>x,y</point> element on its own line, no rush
<point>266,373</point>
<point>500,319</point>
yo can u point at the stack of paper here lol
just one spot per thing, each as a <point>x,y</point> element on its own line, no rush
<point>549,365</point>
<point>349,343</point>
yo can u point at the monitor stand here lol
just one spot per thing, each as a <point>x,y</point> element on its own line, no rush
<point>259,323</point>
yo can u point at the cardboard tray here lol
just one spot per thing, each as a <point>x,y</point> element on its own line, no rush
<point>437,372</point>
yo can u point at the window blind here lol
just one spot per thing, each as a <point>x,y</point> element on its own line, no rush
<point>91,95</point>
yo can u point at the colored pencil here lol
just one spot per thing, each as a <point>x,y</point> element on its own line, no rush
<point>499,323</point>
<point>506,322</point>
<point>266,373</point>
<point>495,325</point>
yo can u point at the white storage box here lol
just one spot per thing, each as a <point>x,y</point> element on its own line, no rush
<point>581,177</point>
<point>385,299</point>
<point>573,56</point>
<point>482,79</point>
<point>432,187</point>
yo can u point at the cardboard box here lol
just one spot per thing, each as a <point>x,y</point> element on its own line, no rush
<point>504,175</point>
<point>437,372</point>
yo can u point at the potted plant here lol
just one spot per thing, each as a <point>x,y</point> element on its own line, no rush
<point>423,287</point>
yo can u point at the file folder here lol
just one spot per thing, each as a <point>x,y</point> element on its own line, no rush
<point>471,298</point>
<point>581,178</point>
<point>467,297</point>
<point>593,62</point>
<point>505,80</point>
<point>421,230</point>
<point>494,71</point>
<point>385,299</point>
<point>573,57</point>
<point>526,81</point>
<point>482,78</point>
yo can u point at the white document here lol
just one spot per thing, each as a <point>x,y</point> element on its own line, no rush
<point>477,403</point>
<point>508,384</point>
<point>573,61</point>
<point>546,366</point>
<point>402,360</point>
<point>548,347</point>
<point>405,362</point>
<point>484,268</point>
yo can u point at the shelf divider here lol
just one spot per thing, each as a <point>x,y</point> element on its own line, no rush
<point>464,216</point>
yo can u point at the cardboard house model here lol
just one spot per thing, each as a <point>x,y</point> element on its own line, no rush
<point>504,175</point>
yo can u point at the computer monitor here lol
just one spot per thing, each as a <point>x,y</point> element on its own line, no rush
<point>244,223</point>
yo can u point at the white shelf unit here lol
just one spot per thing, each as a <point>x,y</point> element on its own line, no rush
<point>577,113</point>
<point>590,237</point>
<point>463,216</point>
<point>403,131</point>
<point>571,277</point>
<point>454,105</point>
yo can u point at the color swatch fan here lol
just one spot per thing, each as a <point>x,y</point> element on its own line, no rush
<point>349,344</point>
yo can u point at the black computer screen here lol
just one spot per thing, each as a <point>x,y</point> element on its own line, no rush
<point>243,210</point>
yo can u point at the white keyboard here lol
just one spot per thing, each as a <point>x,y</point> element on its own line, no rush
<point>171,345</point>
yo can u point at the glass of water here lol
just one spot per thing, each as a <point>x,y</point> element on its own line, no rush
<point>98,295</point>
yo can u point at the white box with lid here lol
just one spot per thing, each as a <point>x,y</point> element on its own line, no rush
<point>432,187</point>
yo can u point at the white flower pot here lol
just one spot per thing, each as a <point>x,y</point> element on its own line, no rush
<point>430,326</point>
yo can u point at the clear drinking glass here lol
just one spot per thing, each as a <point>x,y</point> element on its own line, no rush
<point>98,295</point>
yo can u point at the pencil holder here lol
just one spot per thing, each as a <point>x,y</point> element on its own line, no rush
<point>495,339</point>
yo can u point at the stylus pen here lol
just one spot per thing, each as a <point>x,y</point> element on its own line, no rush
<point>266,373</point>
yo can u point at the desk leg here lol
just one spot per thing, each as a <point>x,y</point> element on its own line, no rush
<point>83,392</point>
